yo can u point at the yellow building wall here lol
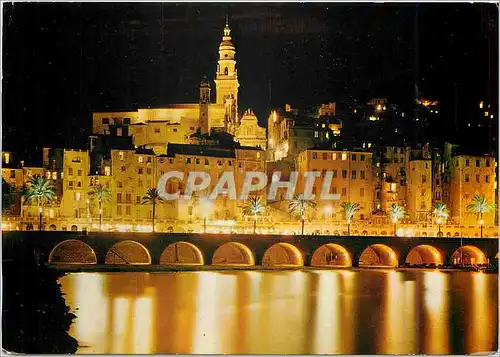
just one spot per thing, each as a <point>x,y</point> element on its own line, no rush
<point>75,184</point>
<point>462,192</point>
<point>356,190</point>
<point>419,190</point>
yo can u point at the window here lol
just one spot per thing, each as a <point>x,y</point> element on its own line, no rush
<point>334,156</point>
<point>105,121</point>
<point>362,174</point>
<point>353,174</point>
<point>362,192</point>
<point>54,175</point>
<point>344,191</point>
<point>121,155</point>
<point>315,155</point>
<point>48,175</point>
<point>334,174</point>
<point>70,171</point>
<point>124,168</point>
<point>353,157</point>
<point>466,177</point>
<point>438,195</point>
<point>206,162</point>
<point>362,157</point>
<point>456,163</point>
<point>226,71</point>
<point>79,172</point>
<point>140,159</point>
<point>424,179</point>
<point>170,161</point>
<point>467,162</point>
<point>107,171</point>
<point>12,174</point>
<point>219,162</point>
<point>128,198</point>
<point>230,162</point>
<point>316,134</point>
<point>422,193</point>
<point>175,130</point>
<point>344,173</point>
<point>325,156</point>
<point>197,161</point>
<point>79,184</point>
<point>139,171</point>
<point>478,163</point>
<point>137,199</point>
<point>119,184</point>
<point>157,130</point>
<point>487,163</point>
<point>126,121</point>
<point>119,210</point>
<point>70,183</point>
<point>119,197</point>
<point>486,179</point>
<point>148,170</point>
<point>139,183</point>
<point>188,160</point>
<point>477,178</point>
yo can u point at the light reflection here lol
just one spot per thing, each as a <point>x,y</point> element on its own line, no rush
<point>480,315</point>
<point>436,308</point>
<point>143,321</point>
<point>392,339</point>
<point>121,309</point>
<point>328,317</point>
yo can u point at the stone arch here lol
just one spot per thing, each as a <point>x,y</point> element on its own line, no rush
<point>355,232</point>
<point>170,229</point>
<point>52,227</point>
<point>336,233</point>
<point>365,233</point>
<point>74,228</point>
<point>457,234</point>
<point>378,255</point>
<point>233,254</point>
<point>468,255</point>
<point>383,233</point>
<point>128,252</point>
<point>282,254</point>
<point>374,233</point>
<point>424,234</point>
<point>72,251</point>
<point>424,254</point>
<point>448,234</point>
<point>331,254</point>
<point>64,228</point>
<point>182,253</point>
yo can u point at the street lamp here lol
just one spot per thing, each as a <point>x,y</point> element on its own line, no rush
<point>395,221</point>
<point>439,227</point>
<point>481,224</point>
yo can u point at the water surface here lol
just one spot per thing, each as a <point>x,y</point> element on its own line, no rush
<point>294,312</point>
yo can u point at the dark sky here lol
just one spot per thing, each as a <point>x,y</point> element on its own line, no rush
<point>61,61</point>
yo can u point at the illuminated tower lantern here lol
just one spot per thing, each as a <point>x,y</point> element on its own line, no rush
<point>226,81</point>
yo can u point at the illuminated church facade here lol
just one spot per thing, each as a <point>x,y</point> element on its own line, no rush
<point>154,128</point>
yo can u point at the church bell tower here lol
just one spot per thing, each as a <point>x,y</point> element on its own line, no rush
<point>226,81</point>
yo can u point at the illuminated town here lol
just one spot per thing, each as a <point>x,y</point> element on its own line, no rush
<point>250,178</point>
<point>129,151</point>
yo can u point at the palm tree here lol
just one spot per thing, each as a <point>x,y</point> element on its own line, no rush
<point>152,197</point>
<point>299,205</point>
<point>479,206</point>
<point>440,212</point>
<point>349,209</point>
<point>396,213</point>
<point>7,196</point>
<point>254,207</point>
<point>101,194</point>
<point>40,191</point>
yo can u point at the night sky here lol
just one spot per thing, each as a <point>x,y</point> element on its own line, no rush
<point>61,61</point>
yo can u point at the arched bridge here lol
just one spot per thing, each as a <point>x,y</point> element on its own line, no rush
<point>249,250</point>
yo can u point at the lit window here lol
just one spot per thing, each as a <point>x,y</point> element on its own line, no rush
<point>78,195</point>
<point>344,156</point>
<point>334,156</point>
<point>316,134</point>
<point>393,187</point>
<point>121,155</point>
<point>107,170</point>
<point>54,175</point>
<point>48,175</point>
<point>315,155</point>
<point>140,159</point>
<point>7,157</point>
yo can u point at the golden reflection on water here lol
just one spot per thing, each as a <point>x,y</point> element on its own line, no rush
<point>299,312</point>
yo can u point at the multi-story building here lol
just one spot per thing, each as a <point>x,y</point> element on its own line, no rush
<point>470,176</point>
<point>352,179</point>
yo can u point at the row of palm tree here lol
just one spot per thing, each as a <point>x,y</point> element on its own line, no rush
<point>40,191</point>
